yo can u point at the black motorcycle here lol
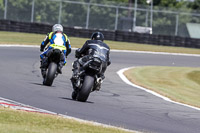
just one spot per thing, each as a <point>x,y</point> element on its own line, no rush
<point>53,61</point>
<point>88,79</point>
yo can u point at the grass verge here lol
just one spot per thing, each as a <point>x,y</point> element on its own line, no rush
<point>36,39</point>
<point>14,121</point>
<point>181,84</point>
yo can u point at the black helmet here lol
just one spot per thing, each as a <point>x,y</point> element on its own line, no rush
<point>97,36</point>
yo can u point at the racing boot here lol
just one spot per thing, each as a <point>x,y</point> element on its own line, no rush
<point>76,84</point>
<point>43,72</point>
<point>44,63</point>
<point>76,70</point>
<point>43,66</point>
<point>59,69</point>
<point>99,81</point>
<point>75,75</point>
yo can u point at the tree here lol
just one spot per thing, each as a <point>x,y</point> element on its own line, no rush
<point>194,5</point>
<point>46,11</point>
<point>19,10</point>
<point>1,9</point>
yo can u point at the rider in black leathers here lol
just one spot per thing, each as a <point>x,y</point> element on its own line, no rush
<point>95,48</point>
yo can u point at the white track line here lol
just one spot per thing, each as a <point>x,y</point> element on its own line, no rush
<point>19,106</point>
<point>121,75</point>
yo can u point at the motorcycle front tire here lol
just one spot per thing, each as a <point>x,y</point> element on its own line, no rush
<point>51,72</point>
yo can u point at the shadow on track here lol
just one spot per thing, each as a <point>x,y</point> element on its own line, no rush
<point>40,84</point>
<point>70,99</point>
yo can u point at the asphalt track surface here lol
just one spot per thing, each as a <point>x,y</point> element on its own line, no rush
<point>117,103</point>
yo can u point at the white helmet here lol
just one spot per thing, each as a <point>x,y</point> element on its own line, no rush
<point>57,27</point>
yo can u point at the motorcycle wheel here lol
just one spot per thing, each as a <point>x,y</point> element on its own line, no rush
<point>86,88</point>
<point>51,72</point>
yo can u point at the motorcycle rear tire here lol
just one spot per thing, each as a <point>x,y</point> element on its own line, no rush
<point>51,72</point>
<point>86,88</point>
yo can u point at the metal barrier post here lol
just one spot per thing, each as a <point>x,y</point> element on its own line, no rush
<point>88,16</point>
<point>32,12</point>
<point>147,16</point>
<point>116,18</point>
<point>151,14</point>
<point>5,10</point>
<point>177,21</point>
<point>60,12</point>
<point>135,13</point>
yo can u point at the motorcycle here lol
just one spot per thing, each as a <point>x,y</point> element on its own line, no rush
<point>88,79</point>
<point>53,61</point>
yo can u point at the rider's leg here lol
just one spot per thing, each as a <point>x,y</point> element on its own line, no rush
<point>75,79</point>
<point>101,77</point>
<point>104,67</point>
<point>61,63</point>
<point>77,65</point>
<point>44,63</point>
<point>76,69</point>
<point>44,58</point>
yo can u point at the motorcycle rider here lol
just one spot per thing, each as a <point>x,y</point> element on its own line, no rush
<point>90,49</point>
<point>58,40</point>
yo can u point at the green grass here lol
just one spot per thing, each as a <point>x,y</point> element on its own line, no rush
<point>195,76</point>
<point>13,121</point>
<point>180,84</point>
<point>36,39</point>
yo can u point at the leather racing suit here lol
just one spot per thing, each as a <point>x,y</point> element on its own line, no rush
<point>58,40</point>
<point>95,48</point>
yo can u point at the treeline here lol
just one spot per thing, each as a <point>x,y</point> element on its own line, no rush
<point>177,4</point>
<point>48,11</point>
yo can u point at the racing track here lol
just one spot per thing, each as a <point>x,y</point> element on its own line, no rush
<point>116,103</point>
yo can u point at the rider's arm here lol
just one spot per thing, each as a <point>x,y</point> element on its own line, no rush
<point>109,62</point>
<point>68,47</point>
<point>108,55</point>
<point>44,43</point>
<point>83,49</point>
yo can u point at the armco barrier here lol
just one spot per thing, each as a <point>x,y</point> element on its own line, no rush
<point>124,36</point>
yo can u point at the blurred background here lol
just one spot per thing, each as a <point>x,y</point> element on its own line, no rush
<point>159,17</point>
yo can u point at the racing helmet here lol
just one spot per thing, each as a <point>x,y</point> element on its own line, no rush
<point>57,27</point>
<point>97,36</point>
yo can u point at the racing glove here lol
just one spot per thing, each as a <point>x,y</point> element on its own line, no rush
<point>77,54</point>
